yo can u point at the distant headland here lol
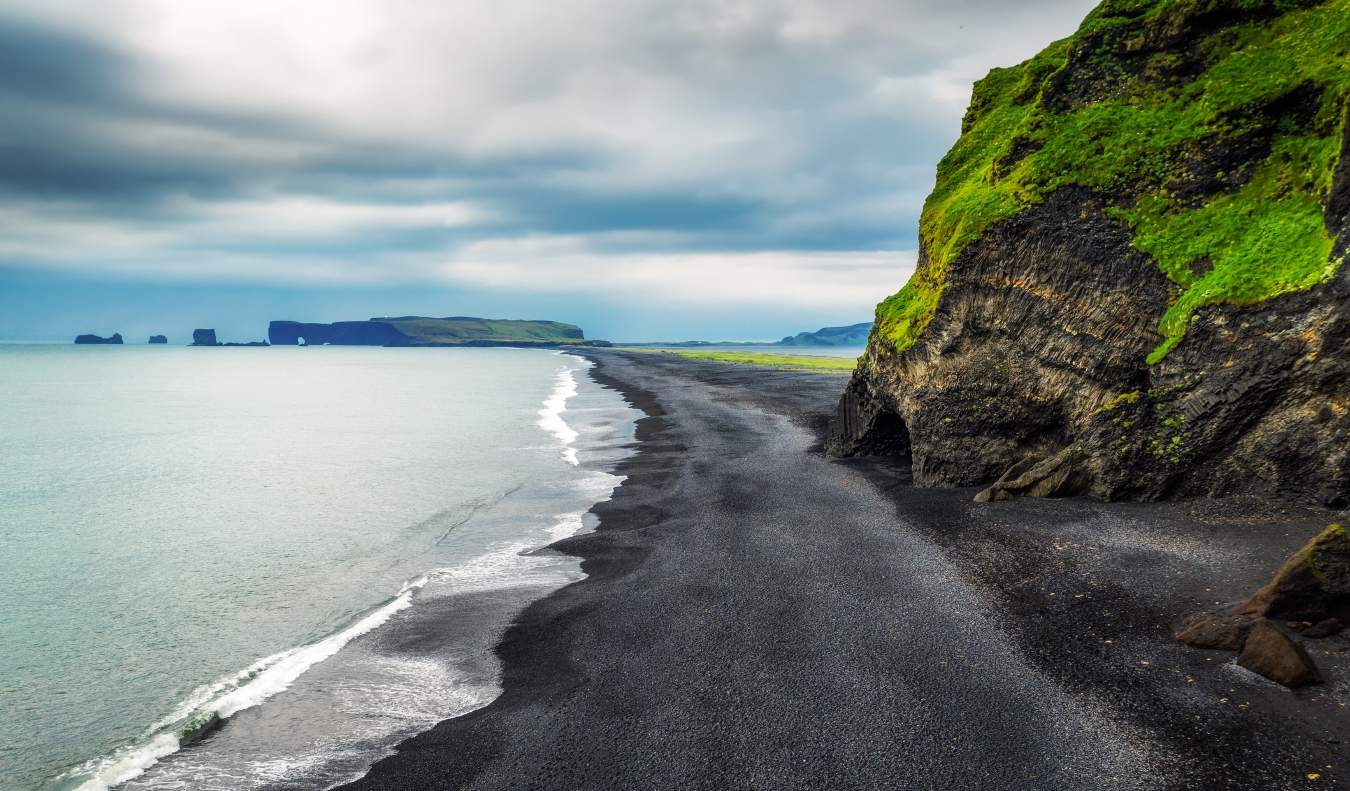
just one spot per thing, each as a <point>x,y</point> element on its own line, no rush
<point>424,331</point>
<point>850,335</point>
<point>116,338</point>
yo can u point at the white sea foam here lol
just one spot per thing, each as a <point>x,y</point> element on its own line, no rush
<point>231,695</point>
<point>550,417</point>
<point>126,762</point>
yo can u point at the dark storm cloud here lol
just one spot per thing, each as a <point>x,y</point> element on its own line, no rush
<point>49,65</point>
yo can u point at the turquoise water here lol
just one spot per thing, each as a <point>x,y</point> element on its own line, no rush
<point>192,533</point>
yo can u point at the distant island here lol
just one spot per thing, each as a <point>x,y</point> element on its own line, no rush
<point>851,335</point>
<point>95,340</point>
<point>158,339</point>
<point>424,331</point>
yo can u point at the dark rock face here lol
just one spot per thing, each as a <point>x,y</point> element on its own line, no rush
<point>95,340</point>
<point>204,338</point>
<point>1040,324</point>
<point>158,339</point>
<point>1040,341</point>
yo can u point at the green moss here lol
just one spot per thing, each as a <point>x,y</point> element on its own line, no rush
<point>1333,533</point>
<point>903,315</point>
<point>1267,239</point>
<point>1144,142</point>
<point>1124,399</point>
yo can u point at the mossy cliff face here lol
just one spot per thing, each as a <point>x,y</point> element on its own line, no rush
<point>1133,257</point>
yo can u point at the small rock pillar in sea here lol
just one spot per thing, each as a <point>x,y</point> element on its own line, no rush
<point>204,338</point>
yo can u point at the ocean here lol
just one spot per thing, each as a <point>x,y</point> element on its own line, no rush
<point>316,546</point>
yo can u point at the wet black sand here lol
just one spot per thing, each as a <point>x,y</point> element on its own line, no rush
<point>758,616</point>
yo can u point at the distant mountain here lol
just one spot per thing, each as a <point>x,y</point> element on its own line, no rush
<point>852,335</point>
<point>424,331</point>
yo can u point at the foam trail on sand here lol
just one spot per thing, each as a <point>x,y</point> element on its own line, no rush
<point>550,417</point>
<point>210,703</point>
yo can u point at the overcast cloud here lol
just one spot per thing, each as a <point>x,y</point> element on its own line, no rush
<point>728,153</point>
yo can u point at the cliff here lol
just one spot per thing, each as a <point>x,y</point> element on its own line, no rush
<point>852,335</point>
<point>422,331</point>
<point>1130,276</point>
<point>95,340</point>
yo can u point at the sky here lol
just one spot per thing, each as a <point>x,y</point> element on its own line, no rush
<point>647,169</point>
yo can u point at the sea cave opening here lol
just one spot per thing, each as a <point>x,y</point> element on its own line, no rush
<point>888,436</point>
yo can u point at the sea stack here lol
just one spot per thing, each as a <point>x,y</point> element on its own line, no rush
<point>1130,279</point>
<point>95,340</point>
<point>158,339</point>
<point>204,338</point>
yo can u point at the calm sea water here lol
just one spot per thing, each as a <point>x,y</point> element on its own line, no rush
<point>317,545</point>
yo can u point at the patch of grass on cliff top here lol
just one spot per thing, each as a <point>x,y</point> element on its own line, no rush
<point>1265,239</point>
<point>821,363</point>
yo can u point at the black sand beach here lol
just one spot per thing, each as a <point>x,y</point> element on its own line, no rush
<point>759,616</point>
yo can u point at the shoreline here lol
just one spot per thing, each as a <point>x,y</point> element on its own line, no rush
<point>471,594</point>
<point>520,676</point>
<point>1042,627</point>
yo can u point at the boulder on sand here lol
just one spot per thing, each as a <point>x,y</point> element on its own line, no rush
<point>1313,585</point>
<point>1224,631</point>
<point>1311,588</point>
<point>1057,476</point>
<point>1277,656</point>
<point>1328,627</point>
